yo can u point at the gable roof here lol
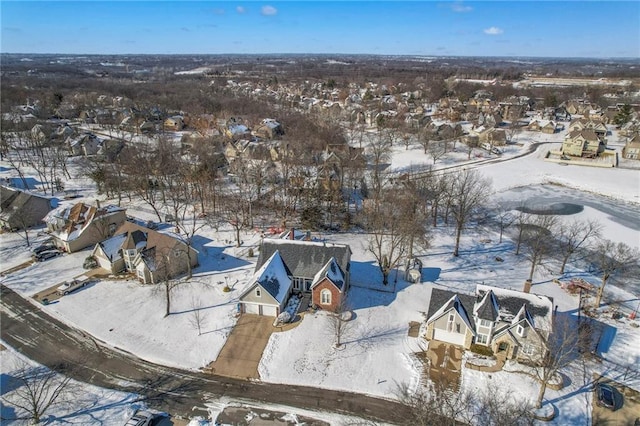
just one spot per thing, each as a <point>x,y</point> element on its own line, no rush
<point>538,308</point>
<point>304,258</point>
<point>273,276</point>
<point>332,272</point>
<point>444,300</point>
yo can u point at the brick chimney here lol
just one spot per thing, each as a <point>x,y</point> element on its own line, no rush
<point>98,204</point>
<point>292,234</point>
<point>527,286</point>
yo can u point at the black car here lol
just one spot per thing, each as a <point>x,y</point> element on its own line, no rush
<point>44,247</point>
<point>607,396</point>
<point>47,254</point>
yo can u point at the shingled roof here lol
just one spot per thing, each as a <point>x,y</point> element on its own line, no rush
<point>304,258</point>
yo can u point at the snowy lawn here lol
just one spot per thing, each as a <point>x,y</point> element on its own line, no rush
<point>79,403</point>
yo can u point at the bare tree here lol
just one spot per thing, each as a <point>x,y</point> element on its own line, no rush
<point>340,321</point>
<point>36,389</point>
<point>379,152</point>
<point>574,236</point>
<point>611,259</point>
<point>469,191</point>
<point>564,345</point>
<point>521,220</point>
<point>437,404</point>
<point>537,240</point>
<point>505,219</point>
<point>387,241</point>
<point>437,149</point>
<point>198,318</point>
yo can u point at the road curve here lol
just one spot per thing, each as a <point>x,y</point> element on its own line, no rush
<point>44,339</point>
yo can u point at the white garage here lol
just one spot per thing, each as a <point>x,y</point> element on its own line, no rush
<point>271,311</point>
<point>251,308</point>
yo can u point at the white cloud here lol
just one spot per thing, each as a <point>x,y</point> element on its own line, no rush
<point>493,31</point>
<point>240,9</point>
<point>269,10</point>
<point>460,8</point>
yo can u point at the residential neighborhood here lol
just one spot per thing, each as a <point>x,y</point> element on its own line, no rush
<point>369,243</point>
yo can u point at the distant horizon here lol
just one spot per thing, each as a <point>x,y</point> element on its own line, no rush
<point>510,28</point>
<point>273,54</point>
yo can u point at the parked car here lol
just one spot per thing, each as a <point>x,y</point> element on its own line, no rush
<point>140,418</point>
<point>69,286</point>
<point>607,396</point>
<point>44,247</point>
<point>47,254</point>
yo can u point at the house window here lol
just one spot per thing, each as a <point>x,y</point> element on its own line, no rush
<point>528,349</point>
<point>450,322</point>
<point>325,297</point>
<point>140,274</point>
<point>520,330</point>
<point>457,327</point>
<point>485,323</point>
<point>112,228</point>
<point>258,292</point>
<point>482,339</point>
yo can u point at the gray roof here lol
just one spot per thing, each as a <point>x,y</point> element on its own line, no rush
<point>304,258</point>
<point>333,272</point>
<point>487,308</point>
<point>439,297</point>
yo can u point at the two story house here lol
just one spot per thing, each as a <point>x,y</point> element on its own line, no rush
<point>150,255</point>
<point>291,266</point>
<point>508,321</point>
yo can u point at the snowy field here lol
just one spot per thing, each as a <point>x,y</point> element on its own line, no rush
<point>78,404</point>
<point>377,353</point>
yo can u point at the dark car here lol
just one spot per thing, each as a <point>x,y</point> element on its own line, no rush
<point>607,396</point>
<point>44,247</point>
<point>47,254</point>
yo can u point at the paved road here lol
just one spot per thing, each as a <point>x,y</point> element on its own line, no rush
<point>48,341</point>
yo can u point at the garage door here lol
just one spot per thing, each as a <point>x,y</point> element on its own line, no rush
<point>251,308</point>
<point>270,311</point>
<point>446,336</point>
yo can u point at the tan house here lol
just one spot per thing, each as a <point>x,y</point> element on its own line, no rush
<point>80,226</point>
<point>291,266</point>
<point>508,321</point>
<point>20,209</point>
<point>631,149</point>
<point>596,126</point>
<point>583,143</point>
<point>150,255</point>
<point>174,123</point>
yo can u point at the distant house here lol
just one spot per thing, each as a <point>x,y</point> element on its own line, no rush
<point>20,209</point>
<point>631,148</point>
<point>583,143</point>
<point>174,123</point>
<point>508,321</point>
<point>543,126</point>
<point>150,255</point>
<point>86,144</point>
<point>269,129</point>
<point>596,126</point>
<point>289,266</point>
<point>74,228</point>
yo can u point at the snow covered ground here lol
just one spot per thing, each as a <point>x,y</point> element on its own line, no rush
<point>79,403</point>
<point>377,351</point>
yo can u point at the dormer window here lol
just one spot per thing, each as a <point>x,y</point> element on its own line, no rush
<point>520,330</point>
<point>258,292</point>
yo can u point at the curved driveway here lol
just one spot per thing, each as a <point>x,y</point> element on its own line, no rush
<point>50,342</point>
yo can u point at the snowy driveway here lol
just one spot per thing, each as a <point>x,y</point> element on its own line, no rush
<point>242,352</point>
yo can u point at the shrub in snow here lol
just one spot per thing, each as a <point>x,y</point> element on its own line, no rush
<point>90,262</point>
<point>283,318</point>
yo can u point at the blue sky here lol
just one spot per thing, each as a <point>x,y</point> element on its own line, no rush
<point>466,28</point>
